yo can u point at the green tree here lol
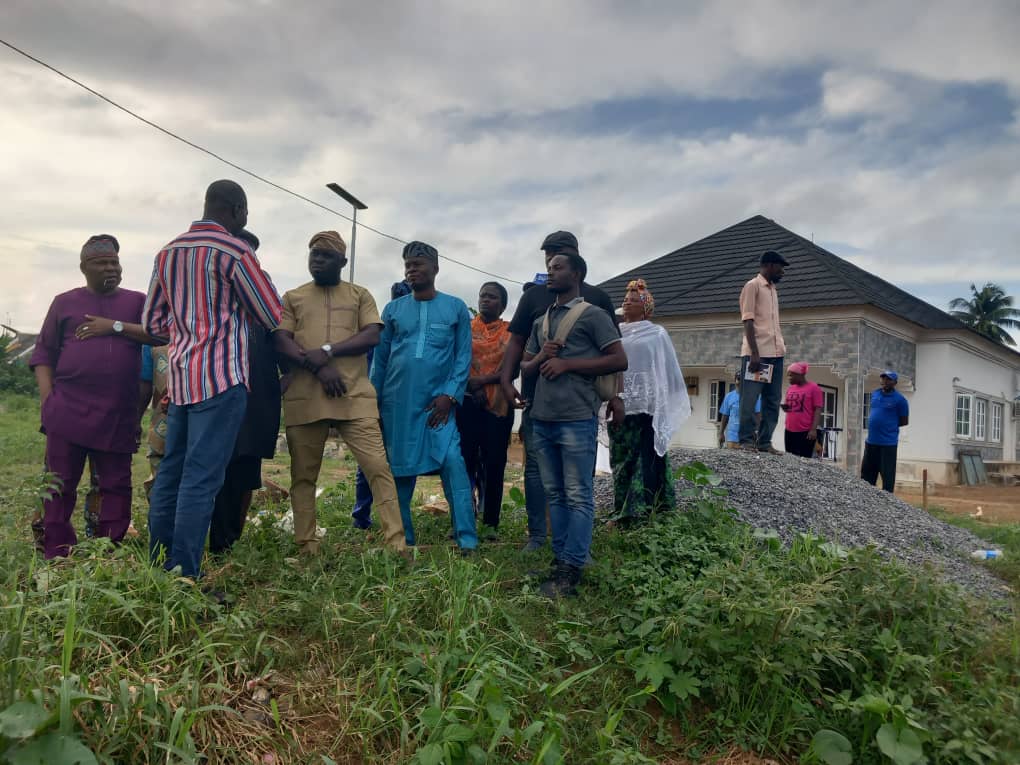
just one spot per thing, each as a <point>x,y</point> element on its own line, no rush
<point>989,311</point>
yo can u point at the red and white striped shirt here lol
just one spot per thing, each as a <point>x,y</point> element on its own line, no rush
<point>206,285</point>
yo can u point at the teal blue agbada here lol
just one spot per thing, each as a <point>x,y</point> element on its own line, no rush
<point>424,351</point>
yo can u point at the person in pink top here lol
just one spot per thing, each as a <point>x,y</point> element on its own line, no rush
<point>803,407</point>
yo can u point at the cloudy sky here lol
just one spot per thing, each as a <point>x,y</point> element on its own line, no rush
<point>887,131</point>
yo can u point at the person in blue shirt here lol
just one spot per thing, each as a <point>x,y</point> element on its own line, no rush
<point>729,418</point>
<point>889,412</point>
<point>420,371</point>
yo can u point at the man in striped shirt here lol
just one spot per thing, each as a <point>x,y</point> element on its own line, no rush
<point>207,285</point>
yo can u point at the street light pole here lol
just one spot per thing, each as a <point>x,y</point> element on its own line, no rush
<point>357,204</point>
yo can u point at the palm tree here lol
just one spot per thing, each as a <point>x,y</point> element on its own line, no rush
<point>989,311</point>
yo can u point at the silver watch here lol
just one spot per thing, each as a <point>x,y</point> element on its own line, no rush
<point>118,326</point>
<point>328,349</point>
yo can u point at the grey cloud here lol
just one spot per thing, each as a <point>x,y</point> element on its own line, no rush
<point>375,96</point>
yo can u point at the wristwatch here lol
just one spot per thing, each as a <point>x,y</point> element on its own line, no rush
<point>118,326</point>
<point>328,349</point>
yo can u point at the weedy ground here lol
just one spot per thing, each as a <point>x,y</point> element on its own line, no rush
<point>694,640</point>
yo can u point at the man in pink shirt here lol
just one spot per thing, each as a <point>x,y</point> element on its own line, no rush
<point>803,407</point>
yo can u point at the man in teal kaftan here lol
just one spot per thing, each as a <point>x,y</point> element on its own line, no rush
<point>420,371</point>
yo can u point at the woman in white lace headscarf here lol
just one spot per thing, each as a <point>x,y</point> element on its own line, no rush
<point>655,403</point>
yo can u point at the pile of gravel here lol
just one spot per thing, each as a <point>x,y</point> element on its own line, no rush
<point>793,495</point>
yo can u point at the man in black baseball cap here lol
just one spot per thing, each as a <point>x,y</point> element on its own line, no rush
<point>771,256</point>
<point>763,349</point>
<point>559,242</point>
<point>533,306</point>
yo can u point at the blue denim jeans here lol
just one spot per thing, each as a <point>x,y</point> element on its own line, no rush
<point>199,443</point>
<point>771,394</point>
<point>566,455</point>
<point>534,492</point>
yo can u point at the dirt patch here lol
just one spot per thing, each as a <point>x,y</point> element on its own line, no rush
<point>999,504</point>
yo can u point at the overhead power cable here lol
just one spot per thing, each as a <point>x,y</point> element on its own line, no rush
<point>234,165</point>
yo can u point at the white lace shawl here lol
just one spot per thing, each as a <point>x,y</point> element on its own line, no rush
<point>654,383</point>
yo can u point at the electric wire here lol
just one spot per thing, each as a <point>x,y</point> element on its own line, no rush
<point>234,165</point>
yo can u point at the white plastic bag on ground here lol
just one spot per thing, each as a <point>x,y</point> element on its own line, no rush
<point>286,524</point>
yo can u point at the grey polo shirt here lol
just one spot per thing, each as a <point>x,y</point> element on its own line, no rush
<point>571,396</point>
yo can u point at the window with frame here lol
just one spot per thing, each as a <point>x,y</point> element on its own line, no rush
<point>980,418</point>
<point>996,424</point>
<point>964,404</point>
<point>716,393</point>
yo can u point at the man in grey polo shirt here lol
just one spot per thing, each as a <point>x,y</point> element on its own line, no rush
<point>564,415</point>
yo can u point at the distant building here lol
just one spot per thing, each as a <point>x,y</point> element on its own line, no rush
<point>20,346</point>
<point>848,325</point>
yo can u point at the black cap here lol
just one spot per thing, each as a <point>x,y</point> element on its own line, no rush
<point>418,249</point>
<point>773,257</point>
<point>399,289</point>
<point>559,240</point>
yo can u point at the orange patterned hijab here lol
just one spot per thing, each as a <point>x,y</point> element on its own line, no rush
<point>488,345</point>
<point>644,295</point>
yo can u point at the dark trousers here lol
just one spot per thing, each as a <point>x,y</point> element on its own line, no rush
<point>484,440</point>
<point>879,459</point>
<point>362,514</point>
<point>798,443</point>
<point>66,460</point>
<point>230,511</point>
<point>771,394</point>
<point>534,491</point>
<point>363,499</point>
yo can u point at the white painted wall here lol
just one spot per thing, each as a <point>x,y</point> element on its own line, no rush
<point>699,432</point>
<point>989,379</point>
<point>930,433</point>
<point>930,439</point>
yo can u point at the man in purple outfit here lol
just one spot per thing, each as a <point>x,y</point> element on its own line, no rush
<point>89,392</point>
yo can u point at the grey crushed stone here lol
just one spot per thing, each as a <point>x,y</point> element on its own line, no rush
<point>793,495</point>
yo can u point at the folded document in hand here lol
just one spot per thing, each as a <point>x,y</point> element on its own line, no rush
<point>763,375</point>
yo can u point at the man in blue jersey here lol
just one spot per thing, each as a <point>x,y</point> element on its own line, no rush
<point>889,412</point>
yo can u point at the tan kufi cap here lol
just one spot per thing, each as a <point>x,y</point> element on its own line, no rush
<point>328,240</point>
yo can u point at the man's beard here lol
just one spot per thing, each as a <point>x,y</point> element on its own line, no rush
<point>327,280</point>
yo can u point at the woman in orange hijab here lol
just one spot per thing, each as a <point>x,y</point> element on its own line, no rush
<point>485,419</point>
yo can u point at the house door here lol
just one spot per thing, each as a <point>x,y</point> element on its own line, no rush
<point>830,419</point>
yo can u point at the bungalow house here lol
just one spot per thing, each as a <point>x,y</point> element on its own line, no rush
<point>848,325</point>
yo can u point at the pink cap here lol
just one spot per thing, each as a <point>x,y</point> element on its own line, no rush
<point>799,367</point>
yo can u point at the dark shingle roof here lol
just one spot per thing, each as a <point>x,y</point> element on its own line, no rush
<point>706,277</point>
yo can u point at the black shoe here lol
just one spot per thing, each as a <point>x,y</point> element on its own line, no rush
<point>538,573</point>
<point>467,552</point>
<point>563,582</point>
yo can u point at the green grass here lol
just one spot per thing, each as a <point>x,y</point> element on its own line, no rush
<point>692,636</point>
<point>1005,537</point>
